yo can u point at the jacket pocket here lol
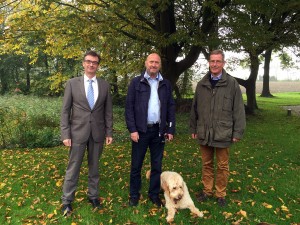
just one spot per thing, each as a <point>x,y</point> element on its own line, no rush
<point>227,103</point>
<point>142,93</point>
<point>223,131</point>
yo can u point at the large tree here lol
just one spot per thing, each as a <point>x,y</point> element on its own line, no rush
<point>256,27</point>
<point>178,30</point>
<point>284,23</point>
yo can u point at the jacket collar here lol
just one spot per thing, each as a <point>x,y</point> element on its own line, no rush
<point>221,82</point>
<point>145,76</point>
<point>158,77</point>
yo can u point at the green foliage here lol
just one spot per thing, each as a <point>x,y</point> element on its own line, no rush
<point>123,31</point>
<point>263,184</point>
<point>57,82</point>
<point>286,60</point>
<point>29,122</point>
<point>185,83</point>
<point>44,36</point>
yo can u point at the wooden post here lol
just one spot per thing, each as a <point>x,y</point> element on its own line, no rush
<point>289,112</point>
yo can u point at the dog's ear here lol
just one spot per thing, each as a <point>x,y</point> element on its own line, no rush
<point>164,185</point>
<point>184,187</point>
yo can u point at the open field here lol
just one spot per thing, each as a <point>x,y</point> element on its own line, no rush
<point>278,86</point>
<point>275,86</point>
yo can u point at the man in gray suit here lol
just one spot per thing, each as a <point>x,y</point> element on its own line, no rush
<point>86,121</point>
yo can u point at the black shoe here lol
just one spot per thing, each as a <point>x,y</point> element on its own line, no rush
<point>156,201</point>
<point>133,201</point>
<point>95,203</point>
<point>202,197</point>
<point>221,202</point>
<point>66,209</point>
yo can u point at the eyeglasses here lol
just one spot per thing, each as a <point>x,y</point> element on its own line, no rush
<point>91,62</point>
<point>215,61</point>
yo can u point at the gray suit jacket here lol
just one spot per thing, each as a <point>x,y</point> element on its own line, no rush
<point>78,121</point>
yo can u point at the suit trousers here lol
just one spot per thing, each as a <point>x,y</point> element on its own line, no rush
<point>76,155</point>
<point>156,145</point>
<point>222,170</point>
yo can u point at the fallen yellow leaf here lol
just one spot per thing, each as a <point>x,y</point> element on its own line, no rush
<point>268,206</point>
<point>227,215</point>
<point>2,185</point>
<point>59,183</point>
<point>50,215</point>
<point>284,209</point>
<point>243,213</point>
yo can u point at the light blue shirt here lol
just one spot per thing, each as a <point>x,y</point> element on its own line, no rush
<point>154,103</point>
<point>216,77</point>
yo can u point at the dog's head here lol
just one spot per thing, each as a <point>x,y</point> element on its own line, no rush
<point>173,184</point>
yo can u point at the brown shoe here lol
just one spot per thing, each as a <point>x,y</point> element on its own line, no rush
<point>221,202</point>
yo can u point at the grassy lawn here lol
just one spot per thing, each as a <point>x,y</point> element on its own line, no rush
<point>264,180</point>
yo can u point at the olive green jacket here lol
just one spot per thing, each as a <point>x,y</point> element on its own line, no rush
<point>218,115</point>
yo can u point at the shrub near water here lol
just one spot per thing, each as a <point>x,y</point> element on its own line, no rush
<point>27,121</point>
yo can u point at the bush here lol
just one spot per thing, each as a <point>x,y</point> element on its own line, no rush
<point>27,121</point>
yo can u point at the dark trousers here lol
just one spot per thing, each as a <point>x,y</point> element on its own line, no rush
<point>156,145</point>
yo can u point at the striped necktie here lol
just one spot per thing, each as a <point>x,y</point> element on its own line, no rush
<point>90,94</point>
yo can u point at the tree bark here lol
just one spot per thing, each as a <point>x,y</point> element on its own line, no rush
<point>250,84</point>
<point>266,78</point>
<point>28,84</point>
<point>4,82</point>
<point>165,24</point>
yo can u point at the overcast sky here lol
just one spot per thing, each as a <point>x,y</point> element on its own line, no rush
<point>275,69</point>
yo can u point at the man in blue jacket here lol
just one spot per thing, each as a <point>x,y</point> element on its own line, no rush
<point>150,119</point>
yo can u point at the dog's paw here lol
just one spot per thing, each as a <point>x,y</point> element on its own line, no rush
<point>200,214</point>
<point>170,219</point>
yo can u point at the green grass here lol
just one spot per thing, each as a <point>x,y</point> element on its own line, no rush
<point>264,167</point>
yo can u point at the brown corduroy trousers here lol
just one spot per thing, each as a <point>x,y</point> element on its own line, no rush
<point>222,170</point>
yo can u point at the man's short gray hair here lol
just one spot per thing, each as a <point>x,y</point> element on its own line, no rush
<point>217,52</point>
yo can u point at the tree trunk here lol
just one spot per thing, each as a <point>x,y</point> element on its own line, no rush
<point>165,24</point>
<point>266,78</point>
<point>250,84</point>
<point>114,84</point>
<point>177,92</point>
<point>3,82</point>
<point>28,68</point>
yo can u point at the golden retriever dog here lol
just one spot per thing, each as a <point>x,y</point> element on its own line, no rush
<point>176,195</point>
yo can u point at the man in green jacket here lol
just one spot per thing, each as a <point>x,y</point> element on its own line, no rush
<point>217,120</point>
